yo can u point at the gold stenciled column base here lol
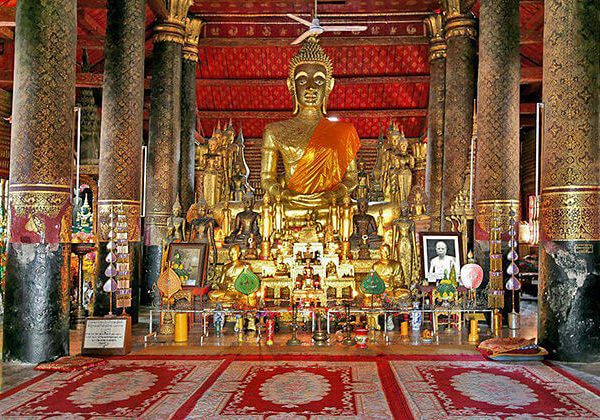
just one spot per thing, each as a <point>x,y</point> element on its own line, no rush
<point>486,209</point>
<point>570,213</point>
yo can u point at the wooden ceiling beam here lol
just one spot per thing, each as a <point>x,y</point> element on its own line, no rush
<point>367,80</point>
<point>325,41</point>
<point>280,115</point>
<point>531,75</point>
<point>7,16</point>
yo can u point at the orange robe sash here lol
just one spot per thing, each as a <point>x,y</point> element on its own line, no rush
<point>331,148</point>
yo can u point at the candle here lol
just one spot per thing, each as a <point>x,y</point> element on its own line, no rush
<point>270,326</point>
<point>474,331</point>
<point>181,328</point>
<point>404,329</point>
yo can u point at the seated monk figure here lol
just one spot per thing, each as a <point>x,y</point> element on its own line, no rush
<point>391,273</point>
<point>364,225</point>
<point>224,289</point>
<point>318,155</point>
<point>245,225</point>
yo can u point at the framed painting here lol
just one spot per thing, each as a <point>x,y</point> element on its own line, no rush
<point>190,262</point>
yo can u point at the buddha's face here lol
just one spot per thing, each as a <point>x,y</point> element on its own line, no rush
<point>362,206</point>
<point>310,85</point>
<point>403,146</point>
<point>235,252</point>
<point>384,252</point>
<point>248,203</point>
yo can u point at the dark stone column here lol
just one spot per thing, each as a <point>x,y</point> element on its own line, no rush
<point>36,313</point>
<point>164,135</point>
<point>434,172</point>
<point>461,59</point>
<point>188,112</point>
<point>121,136</point>
<point>569,290</point>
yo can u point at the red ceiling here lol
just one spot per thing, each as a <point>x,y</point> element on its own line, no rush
<point>382,73</point>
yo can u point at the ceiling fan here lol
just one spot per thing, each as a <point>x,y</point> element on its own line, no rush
<point>315,28</point>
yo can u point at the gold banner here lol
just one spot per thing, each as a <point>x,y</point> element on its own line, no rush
<point>132,213</point>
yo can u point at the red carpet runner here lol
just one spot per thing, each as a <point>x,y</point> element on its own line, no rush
<point>270,387</point>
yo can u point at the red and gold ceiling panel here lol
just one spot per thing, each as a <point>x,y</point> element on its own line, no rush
<point>272,62</point>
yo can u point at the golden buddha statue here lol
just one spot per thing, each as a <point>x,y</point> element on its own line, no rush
<point>178,222</point>
<point>404,244</point>
<point>333,218</point>
<point>213,177</point>
<point>346,217</point>
<point>391,273</point>
<point>363,186</point>
<point>318,155</point>
<point>225,286</point>
<point>405,163</point>
<point>266,218</point>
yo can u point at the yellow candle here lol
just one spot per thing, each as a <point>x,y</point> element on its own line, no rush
<point>497,322</point>
<point>404,329</point>
<point>181,328</point>
<point>474,331</point>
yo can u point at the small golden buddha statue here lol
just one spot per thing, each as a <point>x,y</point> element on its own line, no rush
<point>178,222</point>
<point>346,216</point>
<point>266,218</point>
<point>318,155</point>
<point>213,177</point>
<point>418,203</point>
<point>226,222</point>
<point>404,244</point>
<point>224,289</point>
<point>363,182</point>
<point>405,163</point>
<point>391,273</point>
<point>279,215</point>
<point>334,215</point>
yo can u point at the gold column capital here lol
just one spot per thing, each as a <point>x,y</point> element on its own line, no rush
<point>193,26</point>
<point>454,8</point>
<point>172,29</point>
<point>461,25</point>
<point>437,42</point>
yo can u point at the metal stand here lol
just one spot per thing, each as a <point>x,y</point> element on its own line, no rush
<point>294,340</point>
<point>78,314</point>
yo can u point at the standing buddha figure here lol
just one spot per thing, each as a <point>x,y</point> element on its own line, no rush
<point>346,216</point>
<point>318,154</point>
<point>178,222</point>
<point>279,215</point>
<point>364,182</point>
<point>267,218</point>
<point>405,163</point>
<point>404,245</point>
<point>334,215</point>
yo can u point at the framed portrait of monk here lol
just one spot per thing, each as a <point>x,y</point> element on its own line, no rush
<point>440,251</point>
<point>190,262</point>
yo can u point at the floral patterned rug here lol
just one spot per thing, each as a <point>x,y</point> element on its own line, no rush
<point>303,386</point>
